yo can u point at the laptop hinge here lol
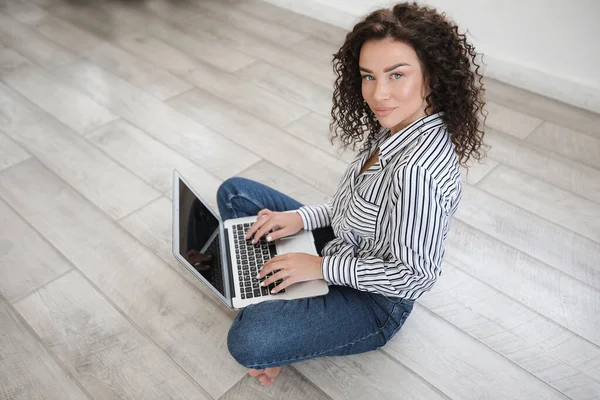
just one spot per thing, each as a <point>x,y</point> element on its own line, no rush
<point>229,265</point>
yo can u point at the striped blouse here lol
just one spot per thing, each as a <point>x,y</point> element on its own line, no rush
<point>391,221</point>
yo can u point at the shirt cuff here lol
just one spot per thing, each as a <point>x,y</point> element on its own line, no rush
<point>314,217</point>
<point>339,270</point>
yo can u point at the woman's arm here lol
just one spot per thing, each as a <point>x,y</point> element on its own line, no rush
<point>318,216</point>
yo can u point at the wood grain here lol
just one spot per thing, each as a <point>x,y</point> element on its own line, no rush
<point>63,102</point>
<point>543,107</point>
<point>27,369</point>
<point>509,121</point>
<point>153,161</point>
<point>567,142</point>
<point>301,23</point>
<point>314,129</point>
<point>193,21</point>
<point>458,365</point>
<point>289,385</point>
<point>267,30</point>
<point>187,326</point>
<point>100,347</point>
<point>161,84</point>
<point>554,294</point>
<point>559,206</point>
<point>553,354</point>
<point>105,183</point>
<point>367,375</point>
<point>31,44</point>
<point>27,261</point>
<point>536,236</point>
<point>545,165</point>
<point>271,107</point>
<point>191,139</point>
<point>288,86</point>
<point>312,165</point>
<point>10,152</point>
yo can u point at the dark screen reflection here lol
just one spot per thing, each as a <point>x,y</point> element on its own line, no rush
<point>202,248</point>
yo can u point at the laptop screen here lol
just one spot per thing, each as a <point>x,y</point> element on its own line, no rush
<point>199,242</point>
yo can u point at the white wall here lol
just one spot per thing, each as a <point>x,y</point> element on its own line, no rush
<point>551,47</point>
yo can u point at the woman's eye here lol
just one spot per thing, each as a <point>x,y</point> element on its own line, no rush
<point>397,75</point>
<point>367,77</point>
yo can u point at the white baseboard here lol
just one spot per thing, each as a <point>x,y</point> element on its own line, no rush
<point>512,72</point>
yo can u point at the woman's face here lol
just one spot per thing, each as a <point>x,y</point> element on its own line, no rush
<point>392,82</point>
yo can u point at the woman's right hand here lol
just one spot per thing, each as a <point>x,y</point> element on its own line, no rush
<point>282,223</point>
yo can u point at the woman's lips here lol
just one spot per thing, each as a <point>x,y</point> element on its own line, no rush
<point>382,112</point>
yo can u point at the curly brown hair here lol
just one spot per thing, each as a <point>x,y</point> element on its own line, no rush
<point>449,67</point>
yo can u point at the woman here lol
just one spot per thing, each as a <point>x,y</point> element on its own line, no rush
<point>408,80</point>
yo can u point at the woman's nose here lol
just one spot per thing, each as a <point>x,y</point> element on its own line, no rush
<point>382,91</point>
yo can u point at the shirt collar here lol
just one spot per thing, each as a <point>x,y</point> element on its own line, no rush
<point>390,145</point>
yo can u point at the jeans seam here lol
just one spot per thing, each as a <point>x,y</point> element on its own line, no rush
<point>328,350</point>
<point>230,205</point>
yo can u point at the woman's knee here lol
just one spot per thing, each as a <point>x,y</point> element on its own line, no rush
<point>245,342</point>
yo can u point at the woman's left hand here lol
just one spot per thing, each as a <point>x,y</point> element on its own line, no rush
<point>293,268</point>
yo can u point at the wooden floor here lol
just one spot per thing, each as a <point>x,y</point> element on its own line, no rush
<point>98,103</point>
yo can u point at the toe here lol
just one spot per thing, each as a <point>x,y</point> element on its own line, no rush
<point>255,372</point>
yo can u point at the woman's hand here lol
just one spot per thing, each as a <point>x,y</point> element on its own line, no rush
<point>293,268</point>
<point>283,223</point>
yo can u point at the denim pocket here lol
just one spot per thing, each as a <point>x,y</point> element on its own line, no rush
<point>396,323</point>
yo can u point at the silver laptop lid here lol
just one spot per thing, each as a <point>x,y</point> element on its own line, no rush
<point>198,229</point>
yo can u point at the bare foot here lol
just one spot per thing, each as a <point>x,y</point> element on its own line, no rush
<point>265,376</point>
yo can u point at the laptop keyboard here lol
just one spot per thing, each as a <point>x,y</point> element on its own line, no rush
<point>250,258</point>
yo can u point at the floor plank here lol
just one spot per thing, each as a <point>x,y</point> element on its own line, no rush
<point>133,23</point>
<point>27,261</point>
<point>301,23</point>
<point>191,139</point>
<point>105,183</point>
<point>262,103</point>
<point>274,32</point>
<point>555,295</point>
<point>31,44</point>
<point>509,121</point>
<point>190,19</point>
<point>63,102</point>
<point>567,142</point>
<point>161,84</point>
<point>314,129</point>
<point>536,236</point>
<point>10,152</point>
<point>547,166</point>
<point>559,206</point>
<point>152,226</point>
<point>316,48</point>
<point>101,348</point>
<point>27,370</point>
<point>458,365</point>
<point>184,323</point>
<point>288,86</point>
<point>310,164</point>
<point>544,108</point>
<point>367,375</point>
<point>154,162</point>
<point>199,47</point>
<point>278,179</point>
<point>23,12</point>
<point>477,170</point>
<point>555,355</point>
<point>289,385</point>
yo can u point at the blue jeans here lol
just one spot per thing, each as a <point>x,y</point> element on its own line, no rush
<point>278,332</point>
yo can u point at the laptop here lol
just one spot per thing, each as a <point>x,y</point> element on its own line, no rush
<point>230,274</point>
